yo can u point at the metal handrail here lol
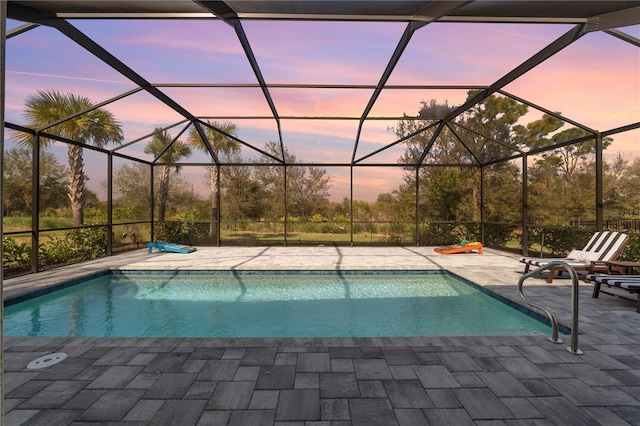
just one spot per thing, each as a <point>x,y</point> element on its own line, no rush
<point>574,304</point>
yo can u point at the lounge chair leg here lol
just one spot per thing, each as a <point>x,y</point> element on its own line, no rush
<point>596,290</point>
<point>552,272</point>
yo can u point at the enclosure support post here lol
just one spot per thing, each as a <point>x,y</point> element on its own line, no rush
<point>525,204</point>
<point>35,203</point>
<point>3,38</point>
<point>217,224</point>
<point>417,205</point>
<point>599,185</point>
<point>109,204</point>
<point>482,206</point>
<point>351,203</point>
<point>286,210</point>
<point>153,204</point>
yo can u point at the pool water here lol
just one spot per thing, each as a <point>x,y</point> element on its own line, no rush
<point>235,304</point>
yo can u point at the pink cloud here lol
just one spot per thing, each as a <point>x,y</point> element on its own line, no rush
<point>20,85</point>
<point>191,38</point>
<point>626,144</point>
<point>321,102</point>
<point>396,102</point>
<point>221,101</point>
<point>594,81</point>
<point>323,52</point>
<point>470,54</point>
<point>369,182</point>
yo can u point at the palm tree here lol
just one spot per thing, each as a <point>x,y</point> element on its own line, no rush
<point>97,127</point>
<point>175,151</point>
<point>220,144</point>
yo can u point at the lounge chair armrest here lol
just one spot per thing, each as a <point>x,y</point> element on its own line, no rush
<point>598,265</point>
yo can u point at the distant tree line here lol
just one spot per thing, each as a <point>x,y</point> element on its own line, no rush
<point>561,182</point>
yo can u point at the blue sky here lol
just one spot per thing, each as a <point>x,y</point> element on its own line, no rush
<point>595,81</point>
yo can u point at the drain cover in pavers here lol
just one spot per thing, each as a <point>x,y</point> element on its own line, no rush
<point>46,361</point>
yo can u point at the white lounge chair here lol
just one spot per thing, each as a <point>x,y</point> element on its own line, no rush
<point>603,246</point>
<point>630,283</point>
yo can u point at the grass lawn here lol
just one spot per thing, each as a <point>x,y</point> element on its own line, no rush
<point>300,238</point>
<point>23,223</point>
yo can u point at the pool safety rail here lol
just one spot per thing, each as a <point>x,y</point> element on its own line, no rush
<point>574,304</point>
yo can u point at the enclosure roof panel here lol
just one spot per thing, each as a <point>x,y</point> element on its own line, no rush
<point>339,61</point>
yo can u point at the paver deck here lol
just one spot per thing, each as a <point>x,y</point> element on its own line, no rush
<point>512,380</point>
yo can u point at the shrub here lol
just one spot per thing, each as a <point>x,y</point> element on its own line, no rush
<point>498,234</point>
<point>130,213</point>
<point>395,239</point>
<point>309,227</point>
<point>88,243</point>
<point>358,227</point>
<point>185,230</point>
<point>438,234</point>
<point>318,218</point>
<point>399,228</point>
<point>74,246</point>
<point>632,250</point>
<point>15,254</point>
<point>172,231</point>
<point>559,241</point>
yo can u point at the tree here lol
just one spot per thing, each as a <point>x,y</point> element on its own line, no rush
<point>621,183</point>
<point>576,154</point>
<point>17,181</point>
<point>385,207</point>
<point>449,195</point>
<point>564,177</point>
<point>436,202</point>
<point>307,186</point>
<point>308,190</point>
<point>132,192</point>
<point>243,195</point>
<point>169,151</point>
<point>489,131</point>
<point>97,127</point>
<point>546,203</point>
<point>494,132</point>
<point>132,186</point>
<point>502,193</point>
<point>221,143</point>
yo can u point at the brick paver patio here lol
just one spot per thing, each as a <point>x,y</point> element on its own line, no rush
<point>512,380</point>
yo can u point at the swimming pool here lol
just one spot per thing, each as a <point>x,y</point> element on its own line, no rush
<point>269,304</point>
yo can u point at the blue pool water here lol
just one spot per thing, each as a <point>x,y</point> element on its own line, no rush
<point>268,305</point>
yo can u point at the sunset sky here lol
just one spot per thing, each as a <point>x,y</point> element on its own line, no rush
<point>595,81</point>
